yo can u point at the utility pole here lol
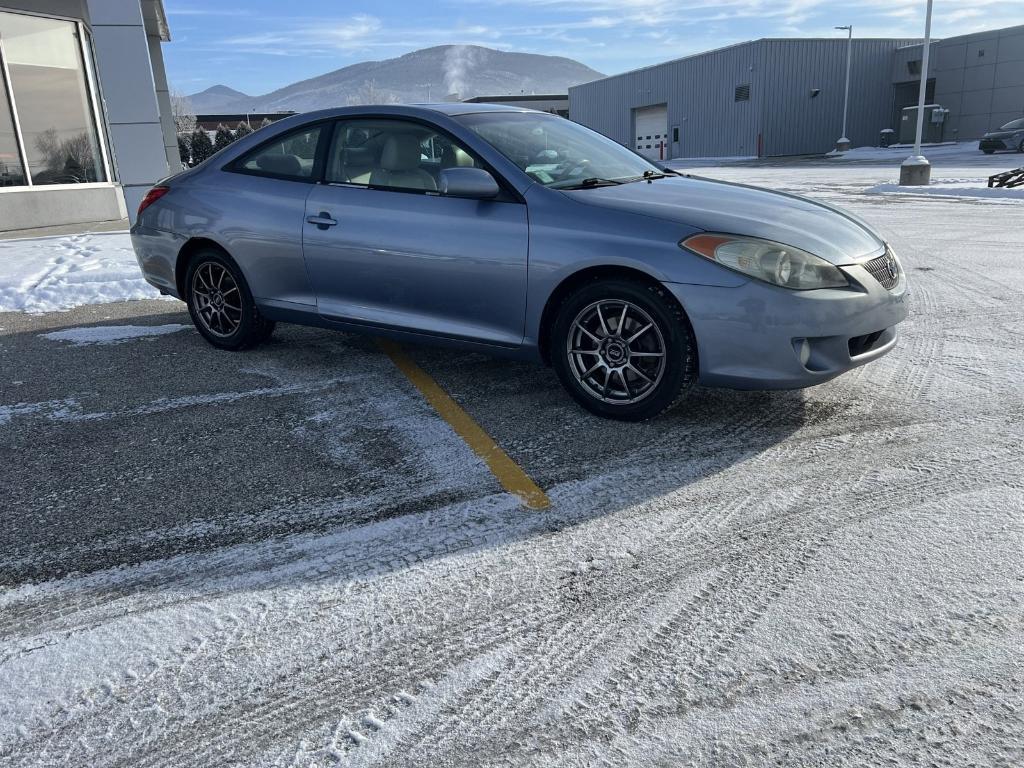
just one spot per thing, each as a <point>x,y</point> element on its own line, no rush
<point>844,143</point>
<point>916,170</point>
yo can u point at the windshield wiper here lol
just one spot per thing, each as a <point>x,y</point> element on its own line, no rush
<point>652,175</point>
<point>589,183</point>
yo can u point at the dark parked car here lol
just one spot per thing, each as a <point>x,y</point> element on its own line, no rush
<point>1010,136</point>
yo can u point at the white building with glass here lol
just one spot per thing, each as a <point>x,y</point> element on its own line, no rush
<point>85,115</point>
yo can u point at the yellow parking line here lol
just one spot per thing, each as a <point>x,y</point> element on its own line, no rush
<point>511,476</point>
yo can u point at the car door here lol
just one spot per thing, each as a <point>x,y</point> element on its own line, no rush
<point>256,208</point>
<point>384,248</point>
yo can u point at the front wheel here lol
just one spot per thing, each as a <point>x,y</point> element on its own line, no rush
<point>221,306</point>
<point>623,349</point>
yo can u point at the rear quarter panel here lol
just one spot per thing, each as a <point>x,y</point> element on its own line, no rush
<point>257,220</point>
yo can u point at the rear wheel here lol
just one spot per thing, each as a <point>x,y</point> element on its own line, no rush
<point>221,306</point>
<point>623,349</point>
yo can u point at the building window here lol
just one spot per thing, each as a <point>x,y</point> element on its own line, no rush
<point>914,67</point>
<point>742,92</point>
<point>45,104</point>
<point>12,174</point>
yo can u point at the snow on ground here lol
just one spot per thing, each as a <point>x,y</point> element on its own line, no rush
<point>693,162</point>
<point>952,188</point>
<point>52,273</point>
<point>112,334</point>
<point>958,151</point>
<point>827,578</point>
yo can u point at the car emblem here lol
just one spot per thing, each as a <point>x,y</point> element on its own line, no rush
<point>892,267</point>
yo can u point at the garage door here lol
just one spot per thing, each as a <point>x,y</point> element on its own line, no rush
<point>651,135</point>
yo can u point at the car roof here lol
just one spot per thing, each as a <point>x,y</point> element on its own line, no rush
<point>398,110</point>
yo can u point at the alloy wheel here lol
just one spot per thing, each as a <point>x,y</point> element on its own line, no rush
<point>218,301</point>
<point>616,351</point>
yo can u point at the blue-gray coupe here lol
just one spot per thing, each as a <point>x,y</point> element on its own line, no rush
<point>521,233</point>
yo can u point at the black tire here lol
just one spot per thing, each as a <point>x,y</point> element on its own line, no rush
<point>654,395</point>
<point>1020,147</point>
<point>225,327</point>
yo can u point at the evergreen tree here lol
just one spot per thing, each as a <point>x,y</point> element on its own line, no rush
<point>202,147</point>
<point>243,129</point>
<point>265,123</point>
<point>183,150</point>
<point>223,137</point>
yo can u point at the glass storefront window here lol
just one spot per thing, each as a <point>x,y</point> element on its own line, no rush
<point>51,97</point>
<point>11,172</point>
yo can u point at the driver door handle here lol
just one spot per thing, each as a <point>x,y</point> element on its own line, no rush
<point>322,220</point>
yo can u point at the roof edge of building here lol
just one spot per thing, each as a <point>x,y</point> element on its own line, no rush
<point>513,97</point>
<point>672,61</point>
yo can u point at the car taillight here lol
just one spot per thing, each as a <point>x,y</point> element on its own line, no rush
<point>151,197</point>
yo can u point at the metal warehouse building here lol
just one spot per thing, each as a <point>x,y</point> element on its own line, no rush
<point>773,97</point>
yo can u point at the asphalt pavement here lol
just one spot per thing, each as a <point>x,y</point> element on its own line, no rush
<point>125,451</point>
<point>287,556</point>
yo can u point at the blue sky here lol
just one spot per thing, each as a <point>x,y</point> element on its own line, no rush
<point>259,45</point>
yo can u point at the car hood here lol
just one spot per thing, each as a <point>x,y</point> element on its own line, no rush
<point>718,206</point>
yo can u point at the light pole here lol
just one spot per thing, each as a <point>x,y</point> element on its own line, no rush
<point>844,143</point>
<point>916,170</point>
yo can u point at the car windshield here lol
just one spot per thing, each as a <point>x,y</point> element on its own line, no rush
<point>1013,125</point>
<point>557,152</point>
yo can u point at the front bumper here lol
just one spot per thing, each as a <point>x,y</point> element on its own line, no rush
<point>993,145</point>
<point>758,336</point>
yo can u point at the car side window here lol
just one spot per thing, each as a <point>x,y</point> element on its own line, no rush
<point>292,156</point>
<point>392,154</point>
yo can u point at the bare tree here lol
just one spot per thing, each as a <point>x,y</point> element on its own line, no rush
<point>184,114</point>
<point>68,160</point>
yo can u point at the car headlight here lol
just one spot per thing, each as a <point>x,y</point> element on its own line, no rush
<point>765,260</point>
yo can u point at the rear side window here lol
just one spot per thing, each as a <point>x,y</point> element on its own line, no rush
<point>291,156</point>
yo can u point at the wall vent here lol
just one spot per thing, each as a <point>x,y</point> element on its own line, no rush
<point>742,92</point>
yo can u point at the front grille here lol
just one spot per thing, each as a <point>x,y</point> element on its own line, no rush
<point>885,269</point>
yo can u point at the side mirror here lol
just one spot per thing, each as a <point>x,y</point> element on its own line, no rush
<point>475,183</point>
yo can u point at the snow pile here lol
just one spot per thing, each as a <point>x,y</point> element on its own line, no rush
<point>46,274</point>
<point>952,150</point>
<point>951,188</point>
<point>112,334</point>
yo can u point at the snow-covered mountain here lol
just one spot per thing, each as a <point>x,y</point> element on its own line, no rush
<point>428,74</point>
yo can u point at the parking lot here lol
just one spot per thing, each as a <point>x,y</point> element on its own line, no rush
<point>289,557</point>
